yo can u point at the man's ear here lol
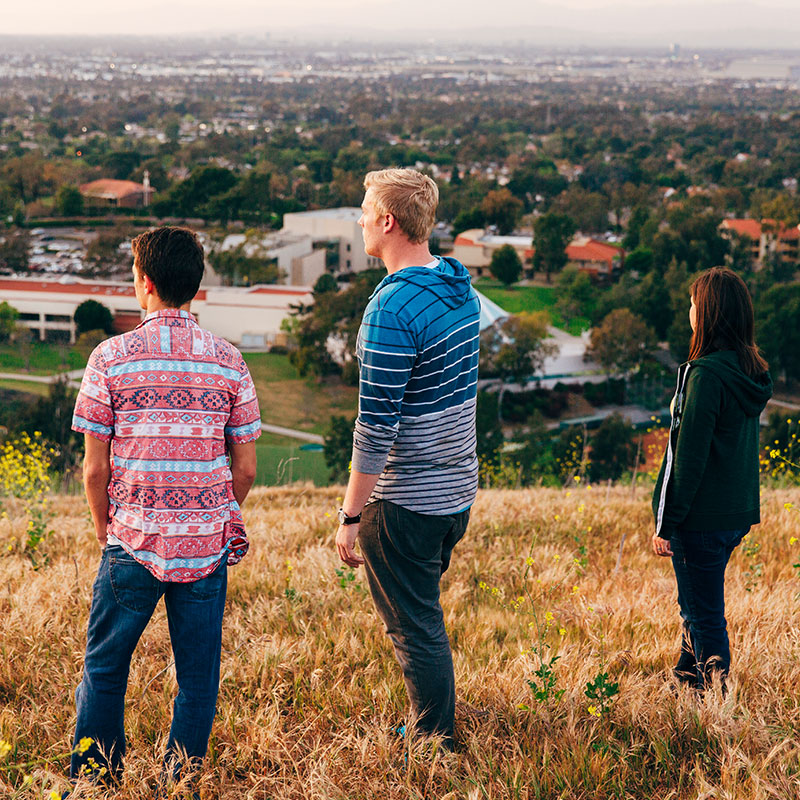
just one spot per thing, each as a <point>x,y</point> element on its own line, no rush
<point>149,286</point>
<point>389,223</point>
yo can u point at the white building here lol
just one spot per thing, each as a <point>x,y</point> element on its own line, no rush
<point>294,253</point>
<point>338,225</point>
<point>247,316</point>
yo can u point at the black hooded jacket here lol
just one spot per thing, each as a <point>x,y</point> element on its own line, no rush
<point>709,478</point>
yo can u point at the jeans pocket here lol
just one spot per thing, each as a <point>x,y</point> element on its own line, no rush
<point>133,586</point>
<point>209,587</point>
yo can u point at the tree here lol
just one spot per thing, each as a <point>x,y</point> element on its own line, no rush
<point>338,448</point>
<point>502,209</point>
<point>244,266</point>
<point>325,283</point>
<point>53,417</point>
<point>621,342</point>
<point>639,260</point>
<point>69,201</point>
<point>589,210</point>
<point>197,194</point>
<point>515,349</point>
<point>574,294</point>
<point>15,248</point>
<point>335,317</point>
<point>613,449</point>
<point>91,315</point>
<point>467,220</point>
<point>551,234</point>
<point>88,340</point>
<point>778,328</point>
<point>506,265</point>
<point>488,431</point>
<point>8,321</point>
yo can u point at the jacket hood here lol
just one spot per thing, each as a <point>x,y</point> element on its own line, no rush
<point>449,280</point>
<point>751,393</point>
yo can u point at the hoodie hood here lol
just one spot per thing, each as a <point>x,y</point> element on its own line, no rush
<point>751,393</point>
<point>449,280</point>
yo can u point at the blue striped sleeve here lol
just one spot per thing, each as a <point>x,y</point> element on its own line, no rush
<point>387,352</point>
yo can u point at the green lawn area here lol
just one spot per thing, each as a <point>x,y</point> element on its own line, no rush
<point>290,400</point>
<point>284,463</point>
<point>45,358</point>
<point>515,299</point>
<point>28,387</point>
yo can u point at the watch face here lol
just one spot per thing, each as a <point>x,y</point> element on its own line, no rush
<point>341,516</point>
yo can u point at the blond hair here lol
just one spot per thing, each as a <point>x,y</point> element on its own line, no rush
<point>409,196</point>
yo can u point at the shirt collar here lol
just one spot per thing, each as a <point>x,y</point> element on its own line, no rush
<point>169,314</point>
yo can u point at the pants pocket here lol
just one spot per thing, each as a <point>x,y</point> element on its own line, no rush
<point>209,587</point>
<point>133,586</point>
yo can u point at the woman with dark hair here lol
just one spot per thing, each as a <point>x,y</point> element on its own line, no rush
<point>707,493</point>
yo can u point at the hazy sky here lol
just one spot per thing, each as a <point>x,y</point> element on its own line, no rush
<point>776,21</point>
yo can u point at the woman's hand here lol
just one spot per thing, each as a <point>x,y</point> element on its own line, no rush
<point>661,547</point>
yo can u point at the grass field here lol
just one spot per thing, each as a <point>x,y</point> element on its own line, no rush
<point>295,402</point>
<point>515,299</point>
<point>26,387</point>
<point>310,691</point>
<point>45,358</point>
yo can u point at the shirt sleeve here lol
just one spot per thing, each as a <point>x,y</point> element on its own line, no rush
<point>244,423</point>
<point>94,413</point>
<point>387,352</point>
<point>701,409</point>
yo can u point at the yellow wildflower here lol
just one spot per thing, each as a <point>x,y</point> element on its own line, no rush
<point>5,748</point>
<point>84,744</point>
<point>593,711</point>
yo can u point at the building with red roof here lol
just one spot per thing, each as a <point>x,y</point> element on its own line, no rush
<point>120,194</point>
<point>765,238</point>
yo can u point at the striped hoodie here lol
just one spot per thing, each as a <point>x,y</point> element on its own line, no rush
<point>418,357</point>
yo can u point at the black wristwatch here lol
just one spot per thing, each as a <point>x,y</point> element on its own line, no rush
<point>345,520</point>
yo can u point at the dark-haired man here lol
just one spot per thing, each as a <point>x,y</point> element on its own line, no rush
<point>170,418</point>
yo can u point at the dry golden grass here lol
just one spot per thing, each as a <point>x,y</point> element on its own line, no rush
<point>311,693</point>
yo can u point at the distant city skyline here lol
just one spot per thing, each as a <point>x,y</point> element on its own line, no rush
<point>709,23</point>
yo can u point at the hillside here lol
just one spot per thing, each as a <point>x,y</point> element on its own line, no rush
<point>310,691</point>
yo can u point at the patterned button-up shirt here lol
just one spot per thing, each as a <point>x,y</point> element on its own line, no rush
<point>168,396</point>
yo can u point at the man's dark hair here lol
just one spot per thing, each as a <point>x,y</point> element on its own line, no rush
<point>173,259</point>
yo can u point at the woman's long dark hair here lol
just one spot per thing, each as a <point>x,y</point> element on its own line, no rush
<point>725,319</point>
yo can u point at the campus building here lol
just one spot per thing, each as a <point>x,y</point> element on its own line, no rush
<point>249,317</point>
<point>339,231</point>
<point>295,255</point>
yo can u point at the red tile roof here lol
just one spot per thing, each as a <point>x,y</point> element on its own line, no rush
<point>94,289</point>
<point>592,250</point>
<point>744,227</point>
<point>108,187</point>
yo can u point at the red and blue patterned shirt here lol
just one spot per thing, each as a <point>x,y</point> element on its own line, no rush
<point>169,395</point>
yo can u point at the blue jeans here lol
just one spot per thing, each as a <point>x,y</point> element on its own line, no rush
<point>699,560</point>
<point>124,597</point>
<point>405,555</point>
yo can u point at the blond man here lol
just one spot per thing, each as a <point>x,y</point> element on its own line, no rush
<point>414,469</point>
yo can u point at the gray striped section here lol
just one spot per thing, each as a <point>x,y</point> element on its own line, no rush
<point>432,467</point>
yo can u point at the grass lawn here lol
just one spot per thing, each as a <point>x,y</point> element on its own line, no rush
<point>45,358</point>
<point>290,400</point>
<point>27,387</point>
<point>280,463</point>
<point>515,299</point>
